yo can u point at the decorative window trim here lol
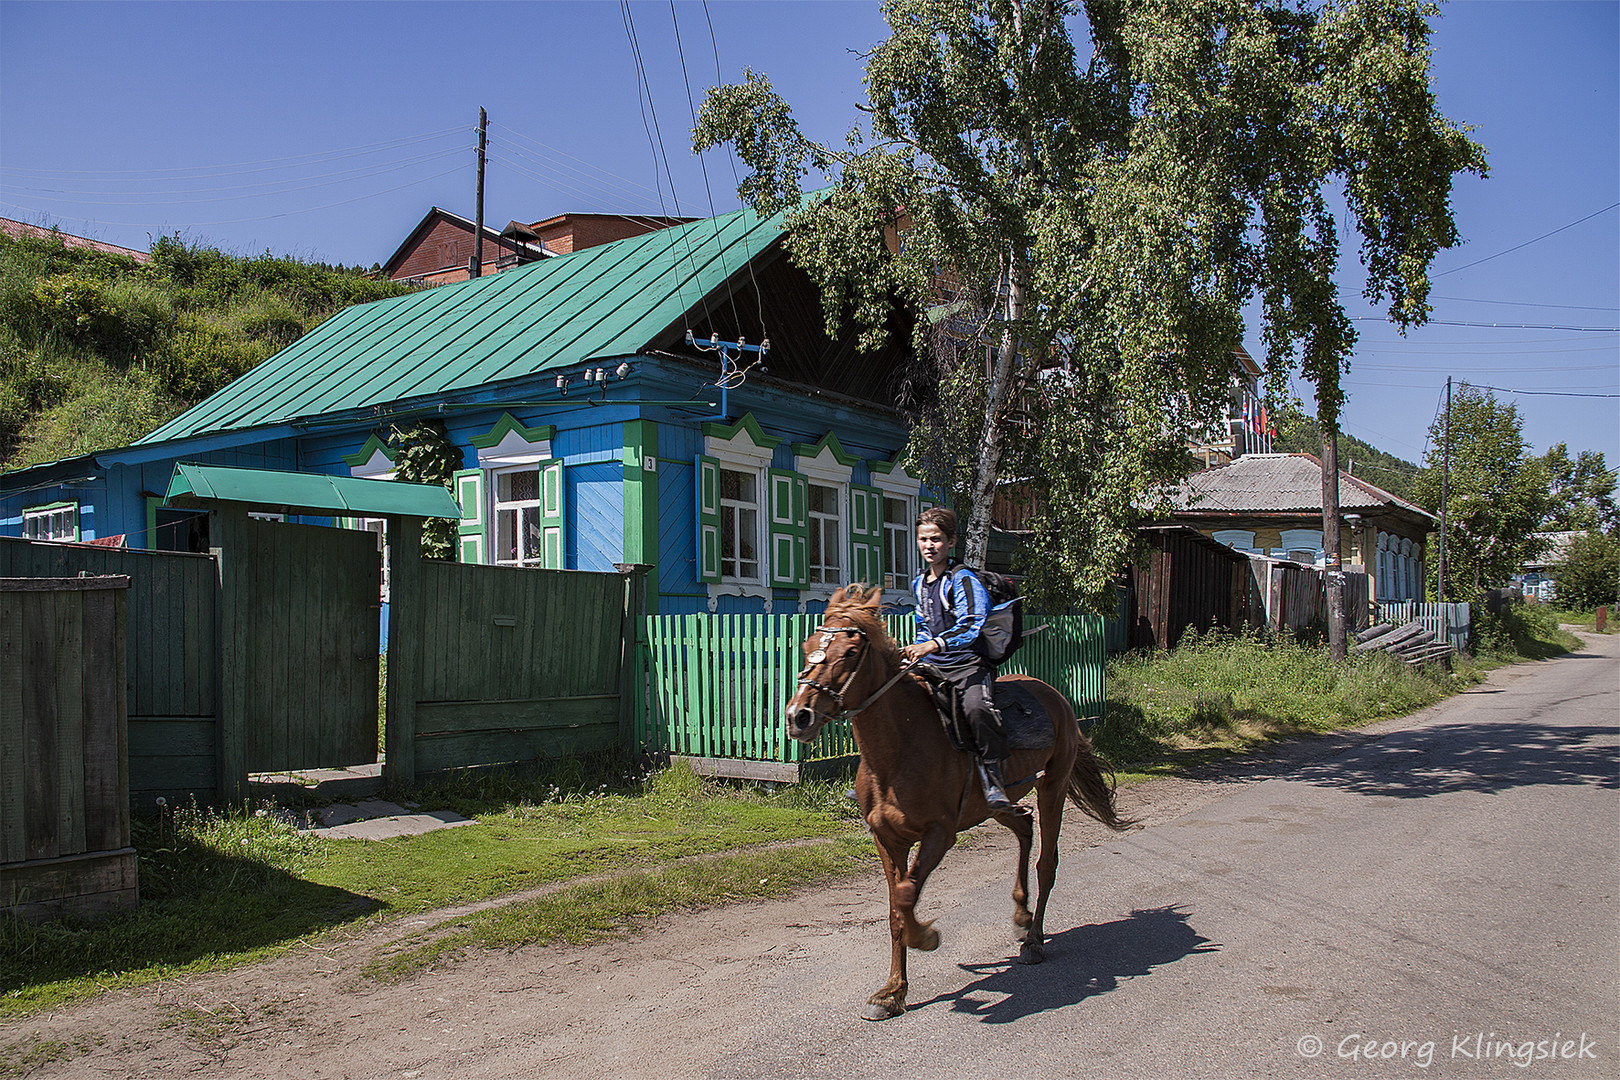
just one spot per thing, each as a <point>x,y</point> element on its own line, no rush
<point>825,463</point>
<point>1238,539</point>
<point>373,461</point>
<point>510,443</point>
<point>740,447</point>
<point>894,482</point>
<point>50,518</point>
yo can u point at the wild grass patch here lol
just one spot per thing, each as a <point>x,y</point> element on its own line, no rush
<point>1225,692</point>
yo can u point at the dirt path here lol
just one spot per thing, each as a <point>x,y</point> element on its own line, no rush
<point>673,1000</point>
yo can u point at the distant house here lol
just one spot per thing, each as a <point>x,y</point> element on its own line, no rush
<point>1271,504</point>
<point>595,425</point>
<point>23,231</point>
<point>440,248</point>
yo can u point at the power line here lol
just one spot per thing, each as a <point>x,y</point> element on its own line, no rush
<point>1543,393</point>
<point>1527,243</point>
<point>1498,326</point>
<point>1520,303</point>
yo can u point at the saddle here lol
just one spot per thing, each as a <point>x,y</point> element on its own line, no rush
<point>1023,719</point>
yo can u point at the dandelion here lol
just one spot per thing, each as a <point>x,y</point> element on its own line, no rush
<point>161,801</point>
<point>260,813</point>
<point>244,842</point>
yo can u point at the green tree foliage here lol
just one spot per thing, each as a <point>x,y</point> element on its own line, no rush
<point>425,454</point>
<point>1589,574</point>
<point>1580,492</point>
<point>98,349</point>
<point>1298,433</point>
<point>1077,236</point>
<point>1497,494</point>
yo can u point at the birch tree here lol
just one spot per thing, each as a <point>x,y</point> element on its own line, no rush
<point>1076,231</point>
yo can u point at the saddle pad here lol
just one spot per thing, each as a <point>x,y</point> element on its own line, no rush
<point>1022,717</point>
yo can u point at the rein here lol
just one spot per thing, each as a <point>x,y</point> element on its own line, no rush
<point>820,655</point>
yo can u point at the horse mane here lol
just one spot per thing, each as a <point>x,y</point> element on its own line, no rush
<point>859,605</point>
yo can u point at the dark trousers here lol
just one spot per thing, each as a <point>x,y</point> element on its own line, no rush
<point>973,681</point>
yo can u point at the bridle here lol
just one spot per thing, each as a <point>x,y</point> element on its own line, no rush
<point>819,656</point>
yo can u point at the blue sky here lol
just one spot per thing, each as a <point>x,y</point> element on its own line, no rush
<point>326,130</point>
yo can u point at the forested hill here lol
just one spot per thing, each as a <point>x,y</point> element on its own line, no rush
<point>1299,434</point>
<point>97,349</point>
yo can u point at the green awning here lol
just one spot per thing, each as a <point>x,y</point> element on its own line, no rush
<point>307,493</point>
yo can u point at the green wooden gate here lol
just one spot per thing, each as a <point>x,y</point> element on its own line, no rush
<point>300,640</point>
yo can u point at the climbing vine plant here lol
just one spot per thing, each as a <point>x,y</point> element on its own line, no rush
<point>424,454</point>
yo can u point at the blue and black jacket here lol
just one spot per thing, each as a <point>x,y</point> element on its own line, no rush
<point>959,620</point>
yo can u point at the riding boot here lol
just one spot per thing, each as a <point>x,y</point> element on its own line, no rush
<point>995,792</point>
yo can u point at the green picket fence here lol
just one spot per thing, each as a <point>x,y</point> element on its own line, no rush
<point>717,684</point>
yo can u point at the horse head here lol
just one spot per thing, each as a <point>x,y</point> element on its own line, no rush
<point>841,658</point>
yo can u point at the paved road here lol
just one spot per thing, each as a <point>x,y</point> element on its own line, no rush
<point>1438,900</point>
<point>1432,896</point>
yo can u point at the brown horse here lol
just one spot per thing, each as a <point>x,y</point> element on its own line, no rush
<point>917,790</point>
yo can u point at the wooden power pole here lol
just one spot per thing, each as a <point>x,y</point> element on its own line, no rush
<point>1445,484</point>
<point>477,267</point>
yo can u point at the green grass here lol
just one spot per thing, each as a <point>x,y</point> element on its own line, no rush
<point>1587,620</point>
<point>219,890</point>
<point>1220,693</point>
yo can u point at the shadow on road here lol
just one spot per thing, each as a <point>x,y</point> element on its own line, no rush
<point>1489,757</point>
<point>1080,963</point>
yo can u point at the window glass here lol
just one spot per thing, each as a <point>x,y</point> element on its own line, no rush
<point>53,523</point>
<point>739,525</point>
<point>825,545</point>
<point>897,543</point>
<point>517,517</point>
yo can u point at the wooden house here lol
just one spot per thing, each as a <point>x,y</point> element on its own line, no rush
<point>612,406</point>
<point>1271,504</point>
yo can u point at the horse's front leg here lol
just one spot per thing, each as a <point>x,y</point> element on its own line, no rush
<point>890,1000</point>
<point>905,931</point>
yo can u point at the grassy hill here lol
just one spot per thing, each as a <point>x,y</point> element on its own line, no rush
<point>97,349</point>
<point>1298,433</point>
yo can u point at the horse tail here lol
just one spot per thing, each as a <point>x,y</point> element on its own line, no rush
<point>1091,786</point>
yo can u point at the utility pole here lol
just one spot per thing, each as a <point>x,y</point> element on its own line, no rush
<point>1333,571</point>
<point>477,267</point>
<point>1445,483</point>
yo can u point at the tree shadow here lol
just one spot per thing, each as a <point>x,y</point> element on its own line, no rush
<point>1490,757</point>
<point>1080,963</point>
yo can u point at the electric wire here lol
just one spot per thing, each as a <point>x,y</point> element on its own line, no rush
<point>1527,243</point>
<point>719,80</point>
<point>725,270</point>
<point>1499,326</point>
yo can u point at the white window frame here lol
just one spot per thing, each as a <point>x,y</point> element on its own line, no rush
<point>825,470</point>
<point>741,454</point>
<point>514,454</point>
<point>737,532</point>
<point>896,483</point>
<point>58,521</point>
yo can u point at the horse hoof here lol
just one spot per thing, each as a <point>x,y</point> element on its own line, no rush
<point>1031,953</point>
<point>876,1011</point>
<point>930,940</point>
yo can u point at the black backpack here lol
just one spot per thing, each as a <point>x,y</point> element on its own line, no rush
<point>1003,633</point>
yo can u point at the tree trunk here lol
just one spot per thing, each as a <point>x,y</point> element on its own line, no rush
<point>1330,541</point>
<point>987,470</point>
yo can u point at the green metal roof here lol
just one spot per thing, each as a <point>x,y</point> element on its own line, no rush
<point>311,493</point>
<point>602,302</point>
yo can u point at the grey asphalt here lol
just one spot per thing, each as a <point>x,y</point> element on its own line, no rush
<point>1431,899</point>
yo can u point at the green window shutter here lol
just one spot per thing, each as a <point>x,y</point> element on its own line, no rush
<point>553,546</point>
<point>790,521</point>
<point>707,477</point>
<point>865,535</point>
<point>468,485</point>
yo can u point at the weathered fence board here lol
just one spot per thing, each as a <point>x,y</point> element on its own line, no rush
<point>1450,623</point>
<point>170,650</point>
<point>717,685</point>
<point>64,786</point>
<point>510,665</point>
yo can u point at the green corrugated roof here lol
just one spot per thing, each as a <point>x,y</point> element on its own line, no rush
<point>602,302</point>
<point>192,485</point>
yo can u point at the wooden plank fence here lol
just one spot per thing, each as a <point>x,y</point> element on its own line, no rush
<point>64,780</point>
<point>171,657</point>
<point>717,685</point>
<point>1451,623</point>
